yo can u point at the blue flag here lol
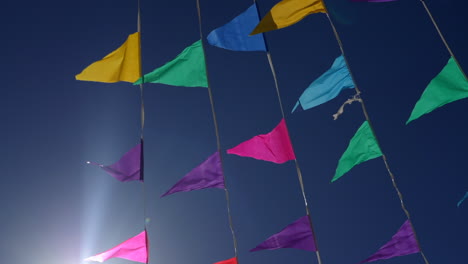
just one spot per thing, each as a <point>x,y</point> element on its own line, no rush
<point>235,34</point>
<point>327,86</point>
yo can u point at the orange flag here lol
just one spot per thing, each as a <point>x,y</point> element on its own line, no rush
<point>287,13</point>
<point>123,64</point>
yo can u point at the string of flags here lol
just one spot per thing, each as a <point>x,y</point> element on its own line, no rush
<point>244,33</point>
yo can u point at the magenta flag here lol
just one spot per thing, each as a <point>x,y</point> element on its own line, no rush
<point>274,146</point>
<point>296,235</point>
<point>402,243</point>
<point>134,249</point>
<point>209,174</point>
<point>128,168</point>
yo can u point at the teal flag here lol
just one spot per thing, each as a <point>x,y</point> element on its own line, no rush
<point>362,147</point>
<point>448,86</point>
<point>187,69</point>
<point>327,86</point>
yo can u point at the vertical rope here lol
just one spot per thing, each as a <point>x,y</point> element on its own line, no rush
<point>218,141</point>
<point>298,168</point>
<point>142,120</point>
<point>442,37</point>
<point>366,115</point>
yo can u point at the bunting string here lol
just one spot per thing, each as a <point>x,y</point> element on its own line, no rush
<point>142,121</point>
<point>298,168</point>
<point>366,115</point>
<point>442,37</point>
<point>216,127</point>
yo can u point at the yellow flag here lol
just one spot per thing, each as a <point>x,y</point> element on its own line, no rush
<point>123,64</point>
<point>287,13</point>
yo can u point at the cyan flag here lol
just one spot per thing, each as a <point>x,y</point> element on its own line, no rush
<point>327,86</point>
<point>235,34</point>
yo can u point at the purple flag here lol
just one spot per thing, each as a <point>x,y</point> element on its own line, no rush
<point>295,235</point>
<point>402,243</point>
<point>206,175</point>
<point>128,168</point>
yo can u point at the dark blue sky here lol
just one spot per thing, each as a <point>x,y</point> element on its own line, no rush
<point>56,209</point>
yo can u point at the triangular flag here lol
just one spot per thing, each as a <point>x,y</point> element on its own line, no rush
<point>463,199</point>
<point>327,86</point>
<point>235,34</point>
<point>123,64</point>
<point>134,249</point>
<point>228,261</point>
<point>187,69</point>
<point>209,174</point>
<point>448,86</point>
<point>128,168</point>
<point>402,243</point>
<point>296,235</point>
<point>274,146</point>
<point>362,147</point>
<point>287,13</point>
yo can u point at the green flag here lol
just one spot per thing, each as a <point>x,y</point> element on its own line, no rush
<point>448,86</point>
<point>187,69</point>
<point>362,147</point>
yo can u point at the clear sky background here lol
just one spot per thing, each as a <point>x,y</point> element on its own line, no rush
<point>55,209</point>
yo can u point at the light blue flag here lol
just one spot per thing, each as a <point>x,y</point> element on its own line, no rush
<point>235,34</point>
<point>463,199</point>
<point>327,86</point>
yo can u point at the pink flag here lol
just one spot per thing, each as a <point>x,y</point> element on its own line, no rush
<point>274,146</point>
<point>228,261</point>
<point>402,243</point>
<point>134,249</point>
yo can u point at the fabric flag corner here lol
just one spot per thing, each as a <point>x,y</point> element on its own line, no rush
<point>188,69</point>
<point>275,146</point>
<point>123,64</point>
<point>128,168</point>
<point>362,147</point>
<point>228,261</point>
<point>287,13</point>
<point>448,86</point>
<point>208,174</point>
<point>235,34</point>
<point>462,199</point>
<point>327,86</point>
<point>296,235</point>
<point>402,243</point>
<point>134,249</point>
